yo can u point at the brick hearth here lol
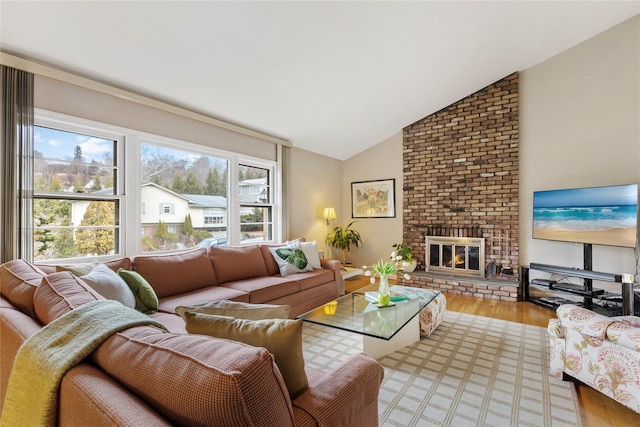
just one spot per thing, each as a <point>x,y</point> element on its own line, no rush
<point>461,173</point>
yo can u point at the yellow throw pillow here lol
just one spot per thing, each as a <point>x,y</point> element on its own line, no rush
<point>239,310</point>
<point>281,337</point>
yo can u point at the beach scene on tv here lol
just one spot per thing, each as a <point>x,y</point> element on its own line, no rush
<point>600,215</point>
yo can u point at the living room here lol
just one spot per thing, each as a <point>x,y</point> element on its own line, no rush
<point>578,127</point>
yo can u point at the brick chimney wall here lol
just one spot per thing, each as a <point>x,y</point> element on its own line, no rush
<point>461,172</point>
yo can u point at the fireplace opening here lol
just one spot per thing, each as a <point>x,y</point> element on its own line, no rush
<point>455,255</point>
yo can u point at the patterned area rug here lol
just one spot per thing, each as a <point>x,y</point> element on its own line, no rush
<point>472,371</point>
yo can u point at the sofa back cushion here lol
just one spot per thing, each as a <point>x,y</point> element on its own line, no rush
<point>18,283</point>
<point>59,293</point>
<point>272,266</point>
<point>176,273</point>
<point>237,262</point>
<point>196,380</point>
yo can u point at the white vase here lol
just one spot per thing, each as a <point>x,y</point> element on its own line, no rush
<point>409,266</point>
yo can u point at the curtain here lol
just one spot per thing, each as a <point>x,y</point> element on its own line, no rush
<point>16,164</point>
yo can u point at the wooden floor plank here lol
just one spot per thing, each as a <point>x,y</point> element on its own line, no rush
<point>597,409</point>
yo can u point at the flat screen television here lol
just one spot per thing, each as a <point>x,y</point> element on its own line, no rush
<point>597,215</point>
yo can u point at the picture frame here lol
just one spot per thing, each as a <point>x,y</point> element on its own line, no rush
<point>373,199</point>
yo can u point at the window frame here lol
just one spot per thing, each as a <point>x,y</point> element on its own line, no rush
<point>128,173</point>
<point>84,127</point>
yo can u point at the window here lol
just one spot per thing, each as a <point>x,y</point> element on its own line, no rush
<point>190,190</point>
<point>76,207</point>
<point>177,195</point>
<point>256,209</point>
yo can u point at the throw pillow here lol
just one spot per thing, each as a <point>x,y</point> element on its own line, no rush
<point>310,250</point>
<point>239,310</point>
<point>78,270</point>
<point>107,283</point>
<point>290,260</point>
<point>145,296</point>
<point>18,282</point>
<point>281,337</point>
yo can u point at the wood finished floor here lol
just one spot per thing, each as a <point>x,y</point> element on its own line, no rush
<point>597,409</point>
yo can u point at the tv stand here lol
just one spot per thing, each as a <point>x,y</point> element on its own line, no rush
<point>586,291</point>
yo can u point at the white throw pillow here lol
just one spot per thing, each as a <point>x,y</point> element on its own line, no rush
<point>310,250</point>
<point>107,283</point>
<point>290,260</point>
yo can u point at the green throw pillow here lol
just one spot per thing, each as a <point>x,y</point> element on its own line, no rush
<point>290,260</point>
<point>238,310</point>
<point>281,337</point>
<point>146,298</point>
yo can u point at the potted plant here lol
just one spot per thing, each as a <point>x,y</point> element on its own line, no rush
<point>403,250</point>
<point>343,238</point>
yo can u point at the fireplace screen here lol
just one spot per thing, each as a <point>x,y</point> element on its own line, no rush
<point>456,255</point>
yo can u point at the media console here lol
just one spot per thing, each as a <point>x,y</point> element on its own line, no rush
<point>586,290</point>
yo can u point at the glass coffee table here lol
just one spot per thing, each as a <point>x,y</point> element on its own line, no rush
<point>384,330</point>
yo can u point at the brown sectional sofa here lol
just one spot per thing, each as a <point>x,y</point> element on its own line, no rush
<point>146,376</point>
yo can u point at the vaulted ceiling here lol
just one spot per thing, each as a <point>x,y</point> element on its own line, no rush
<point>330,77</point>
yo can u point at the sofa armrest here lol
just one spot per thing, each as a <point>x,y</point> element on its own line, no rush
<point>555,329</point>
<point>333,265</point>
<point>583,321</point>
<point>624,334</point>
<point>345,396</point>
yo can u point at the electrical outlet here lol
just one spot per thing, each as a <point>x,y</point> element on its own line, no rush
<point>627,278</point>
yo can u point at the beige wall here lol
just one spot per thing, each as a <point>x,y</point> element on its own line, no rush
<point>316,183</point>
<point>382,161</point>
<point>580,127</point>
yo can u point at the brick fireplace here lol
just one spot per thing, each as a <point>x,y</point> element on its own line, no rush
<point>460,170</point>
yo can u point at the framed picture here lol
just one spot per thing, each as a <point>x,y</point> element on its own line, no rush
<point>373,199</point>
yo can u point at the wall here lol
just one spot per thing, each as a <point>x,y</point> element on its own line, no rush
<point>382,161</point>
<point>316,183</point>
<point>580,127</point>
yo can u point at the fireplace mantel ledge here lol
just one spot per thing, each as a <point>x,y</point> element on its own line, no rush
<point>501,281</point>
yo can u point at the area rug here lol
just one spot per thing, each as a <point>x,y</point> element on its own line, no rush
<point>472,371</point>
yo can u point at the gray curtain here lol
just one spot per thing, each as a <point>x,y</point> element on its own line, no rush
<point>16,165</point>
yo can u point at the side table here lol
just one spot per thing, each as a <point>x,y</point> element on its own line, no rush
<point>347,273</point>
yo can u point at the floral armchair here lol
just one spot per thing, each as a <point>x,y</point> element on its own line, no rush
<point>602,352</point>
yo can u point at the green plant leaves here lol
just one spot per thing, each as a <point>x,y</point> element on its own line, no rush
<point>293,256</point>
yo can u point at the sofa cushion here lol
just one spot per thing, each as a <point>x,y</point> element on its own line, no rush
<point>18,283</point>
<point>238,310</point>
<point>176,273</point>
<point>270,262</point>
<point>59,293</point>
<point>290,260</point>
<point>111,286</point>
<point>145,296</point>
<point>212,293</point>
<point>237,263</point>
<point>264,289</point>
<point>282,337</point>
<point>196,380</point>
<point>81,269</point>
<point>314,278</point>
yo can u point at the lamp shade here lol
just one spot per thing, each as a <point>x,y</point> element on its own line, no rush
<point>329,213</point>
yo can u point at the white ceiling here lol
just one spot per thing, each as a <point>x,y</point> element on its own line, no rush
<point>331,77</point>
